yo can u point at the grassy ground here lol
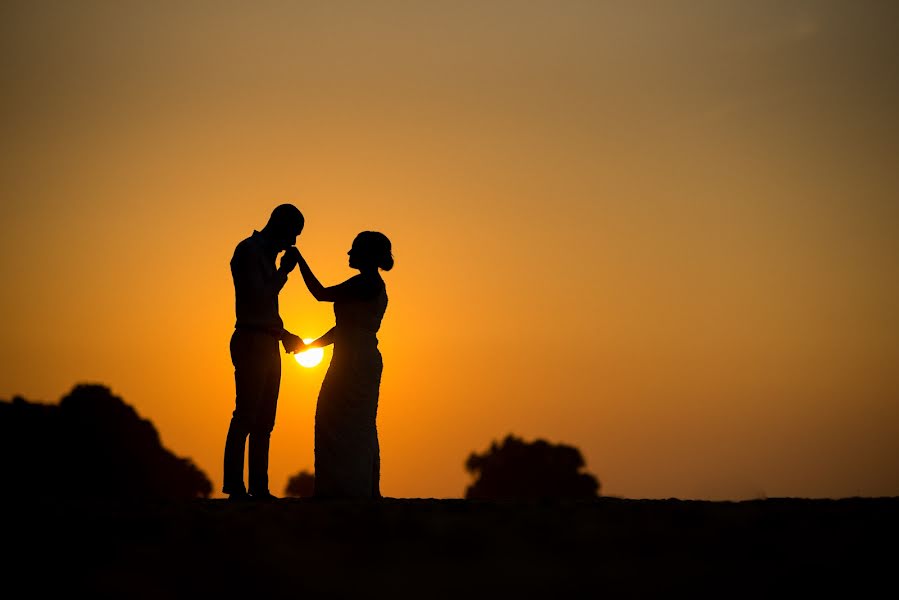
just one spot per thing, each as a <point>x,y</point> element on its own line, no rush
<point>424,548</point>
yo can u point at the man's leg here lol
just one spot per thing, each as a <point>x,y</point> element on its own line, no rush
<point>249,383</point>
<point>260,434</point>
<point>235,448</point>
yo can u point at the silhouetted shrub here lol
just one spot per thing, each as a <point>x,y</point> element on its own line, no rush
<point>92,444</point>
<point>516,469</point>
<point>301,485</point>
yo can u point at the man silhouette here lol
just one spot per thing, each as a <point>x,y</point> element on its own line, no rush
<point>254,349</point>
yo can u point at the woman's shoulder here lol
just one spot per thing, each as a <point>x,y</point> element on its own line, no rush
<point>366,286</point>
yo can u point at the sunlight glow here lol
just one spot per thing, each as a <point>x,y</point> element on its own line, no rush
<point>310,358</point>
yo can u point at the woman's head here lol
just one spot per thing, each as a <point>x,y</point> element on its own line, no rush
<point>371,249</point>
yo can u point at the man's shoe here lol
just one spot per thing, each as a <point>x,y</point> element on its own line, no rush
<point>265,496</point>
<point>239,497</point>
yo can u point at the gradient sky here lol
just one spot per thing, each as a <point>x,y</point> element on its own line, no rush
<point>664,232</point>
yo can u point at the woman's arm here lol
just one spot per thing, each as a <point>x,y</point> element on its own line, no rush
<point>312,283</point>
<point>354,288</point>
<point>326,340</point>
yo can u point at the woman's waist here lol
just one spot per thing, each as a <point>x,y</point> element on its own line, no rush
<point>356,344</point>
<point>355,333</point>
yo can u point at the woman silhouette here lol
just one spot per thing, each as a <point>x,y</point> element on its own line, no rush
<point>347,454</point>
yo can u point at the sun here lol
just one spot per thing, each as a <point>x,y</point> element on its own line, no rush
<point>309,358</point>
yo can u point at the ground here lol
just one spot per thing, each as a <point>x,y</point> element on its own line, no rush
<point>428,548</point>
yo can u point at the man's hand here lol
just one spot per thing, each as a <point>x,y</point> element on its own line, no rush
<point>289,259</point>
<point>297,256</point>
<point>292,343</point>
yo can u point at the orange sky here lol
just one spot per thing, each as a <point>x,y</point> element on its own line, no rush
<point>665,233</point>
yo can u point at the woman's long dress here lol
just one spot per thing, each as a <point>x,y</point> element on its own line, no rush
<point>347,455</point>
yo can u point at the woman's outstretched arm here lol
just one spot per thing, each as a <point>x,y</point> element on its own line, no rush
<point>312,283</point>
<point>354,288</point>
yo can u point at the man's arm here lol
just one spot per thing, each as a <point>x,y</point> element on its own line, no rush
<point>249,272</point>
<point>288,263</point>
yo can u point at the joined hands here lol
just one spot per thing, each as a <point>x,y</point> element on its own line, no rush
<point>292,343</point>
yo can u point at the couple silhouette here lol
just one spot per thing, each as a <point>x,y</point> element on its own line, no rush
<point>347,454</point>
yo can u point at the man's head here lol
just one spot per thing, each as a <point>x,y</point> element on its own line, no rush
<point>283,227</point>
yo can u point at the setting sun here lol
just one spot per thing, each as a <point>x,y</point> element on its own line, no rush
<point>309,358</point>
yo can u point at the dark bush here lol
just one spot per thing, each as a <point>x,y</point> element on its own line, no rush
<point>516,469</point>
<point>92,444</point>
<point>301,485</point>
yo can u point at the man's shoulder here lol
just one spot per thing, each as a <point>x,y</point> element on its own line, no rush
<point>248,244</point>
<point>244,253</point>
